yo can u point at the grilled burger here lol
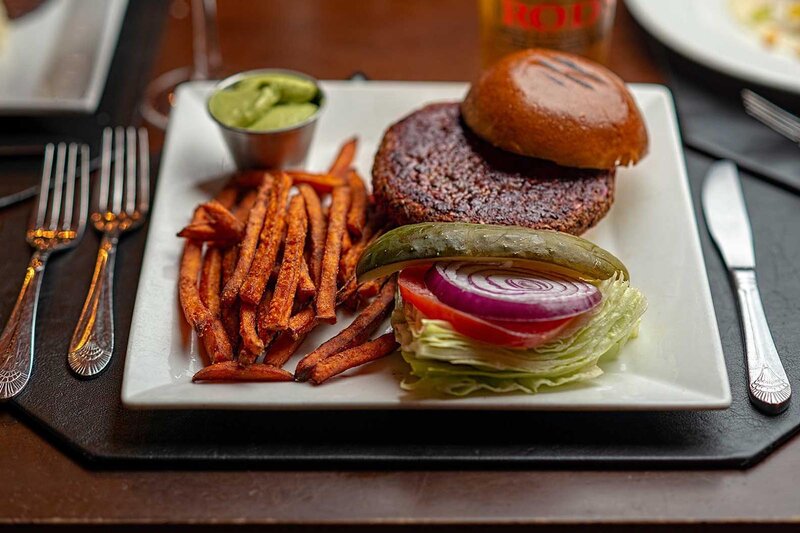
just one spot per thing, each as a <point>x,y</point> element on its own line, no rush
<point>535,143</point>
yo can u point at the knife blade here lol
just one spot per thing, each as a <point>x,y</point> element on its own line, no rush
<point>729,225</point>
<point>726,215</point>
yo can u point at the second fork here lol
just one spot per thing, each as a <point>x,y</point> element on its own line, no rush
<point>122,204</point>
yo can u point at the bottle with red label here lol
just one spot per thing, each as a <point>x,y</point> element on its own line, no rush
<point>578,26</point>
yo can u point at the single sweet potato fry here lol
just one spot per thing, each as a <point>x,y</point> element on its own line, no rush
<point>347,243</point>
<point>346,291</point>
<point>344,159</point>
<point>352,303</point>
<point>302,322</point>
<point>208,327</point>
<point>210,279</point>
<point>227,196</point>
<point>316,231</point>
<point>216,342</point>
<point>357,214</point>
<point>242,210</point>
<point>229,316</point>
<point>191,263</point>
<point>326,295</point>
<point>322,183</point>
<point>233,371</point>
<point>362,293</point>
<point>268,243</point>
<point>305,285</point>
<point>280,308</point>
<point>283,349</point>
<point>208,232</point>
<point>252,345</point>
<point>349,261</point>
<point>247,250</point>
<point>230,257</point>
<point>222,218</point>
<point>369,289</point>
<point>248,179</point>
<point>347,359</point>
<point>356,333</point>
<point>262,310</point>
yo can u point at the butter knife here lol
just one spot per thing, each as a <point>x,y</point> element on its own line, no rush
<point>729,225</point>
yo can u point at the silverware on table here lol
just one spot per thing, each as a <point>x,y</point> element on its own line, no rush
<point>30,192</point>
<point>726,215</point>
<point>769,114</point>
<point>123,199</point>
<point>57,224</point>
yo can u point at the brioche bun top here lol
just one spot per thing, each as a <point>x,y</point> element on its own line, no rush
<point>557,106</point>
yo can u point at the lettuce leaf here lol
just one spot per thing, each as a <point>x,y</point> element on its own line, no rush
<point>442,360</point>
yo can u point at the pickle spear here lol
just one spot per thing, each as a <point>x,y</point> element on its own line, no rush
<point>448,241</point>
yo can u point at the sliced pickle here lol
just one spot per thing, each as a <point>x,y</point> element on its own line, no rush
<point>448,241</point>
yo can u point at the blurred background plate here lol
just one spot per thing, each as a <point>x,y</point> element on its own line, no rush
<point>56,58</point>
<point>707,32</point>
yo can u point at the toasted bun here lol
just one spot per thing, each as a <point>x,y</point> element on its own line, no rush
<point>557,106</point>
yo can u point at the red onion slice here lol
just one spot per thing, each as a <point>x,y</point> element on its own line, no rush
<point>499,292</point>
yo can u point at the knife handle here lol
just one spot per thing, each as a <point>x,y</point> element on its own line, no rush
<point>767,382</point>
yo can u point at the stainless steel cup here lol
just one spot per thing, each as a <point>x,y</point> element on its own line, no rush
<point>280,148</point>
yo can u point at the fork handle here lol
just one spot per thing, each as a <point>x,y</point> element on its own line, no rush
<point>16,341</point>
<point>767,383</point>
<point>92,342</point>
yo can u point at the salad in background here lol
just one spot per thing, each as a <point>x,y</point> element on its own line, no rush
<point>776,22</point>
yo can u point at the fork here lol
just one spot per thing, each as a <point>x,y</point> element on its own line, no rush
<point>123,199</point>
<point>777,118</point>
<point>56,225</point>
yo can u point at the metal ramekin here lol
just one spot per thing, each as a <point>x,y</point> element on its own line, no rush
<point>280,148</point>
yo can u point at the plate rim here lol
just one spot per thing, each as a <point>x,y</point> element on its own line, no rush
<point>145,399</point>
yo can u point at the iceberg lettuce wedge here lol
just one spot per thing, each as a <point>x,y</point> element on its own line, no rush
<point>444,361</point>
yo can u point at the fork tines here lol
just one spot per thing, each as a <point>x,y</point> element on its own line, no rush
<point>65,181</point>
<point>770,114</point>
<point>124,188</point>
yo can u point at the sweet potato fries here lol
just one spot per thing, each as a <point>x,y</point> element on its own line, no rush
<point>271,257</point>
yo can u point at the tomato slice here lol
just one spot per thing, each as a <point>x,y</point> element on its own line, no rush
<point>499,332</point>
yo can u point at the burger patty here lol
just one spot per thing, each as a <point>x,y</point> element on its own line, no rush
<point>431,167</point>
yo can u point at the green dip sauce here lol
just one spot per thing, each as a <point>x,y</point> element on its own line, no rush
<point>264,102</point>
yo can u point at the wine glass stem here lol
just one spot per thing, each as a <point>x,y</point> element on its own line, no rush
<point>205,46</point>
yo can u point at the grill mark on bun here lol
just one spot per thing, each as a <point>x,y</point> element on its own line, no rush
<point>558,81</point>
<point>575,66</point>
<point>546,64</point>
<point>578,81</point>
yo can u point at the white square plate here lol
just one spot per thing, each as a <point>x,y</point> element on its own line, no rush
<point>57,57</point>
<point>675,363</point>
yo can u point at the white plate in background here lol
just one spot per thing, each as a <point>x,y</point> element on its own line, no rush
<point>706,31</point>
<point>675,363</point>
<point>56,58</point>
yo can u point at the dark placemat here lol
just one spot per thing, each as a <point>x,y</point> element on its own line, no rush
<point>88,418</point>
<point>713,120</point>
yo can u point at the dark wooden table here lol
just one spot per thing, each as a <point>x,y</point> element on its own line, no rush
<point>400,39</point>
